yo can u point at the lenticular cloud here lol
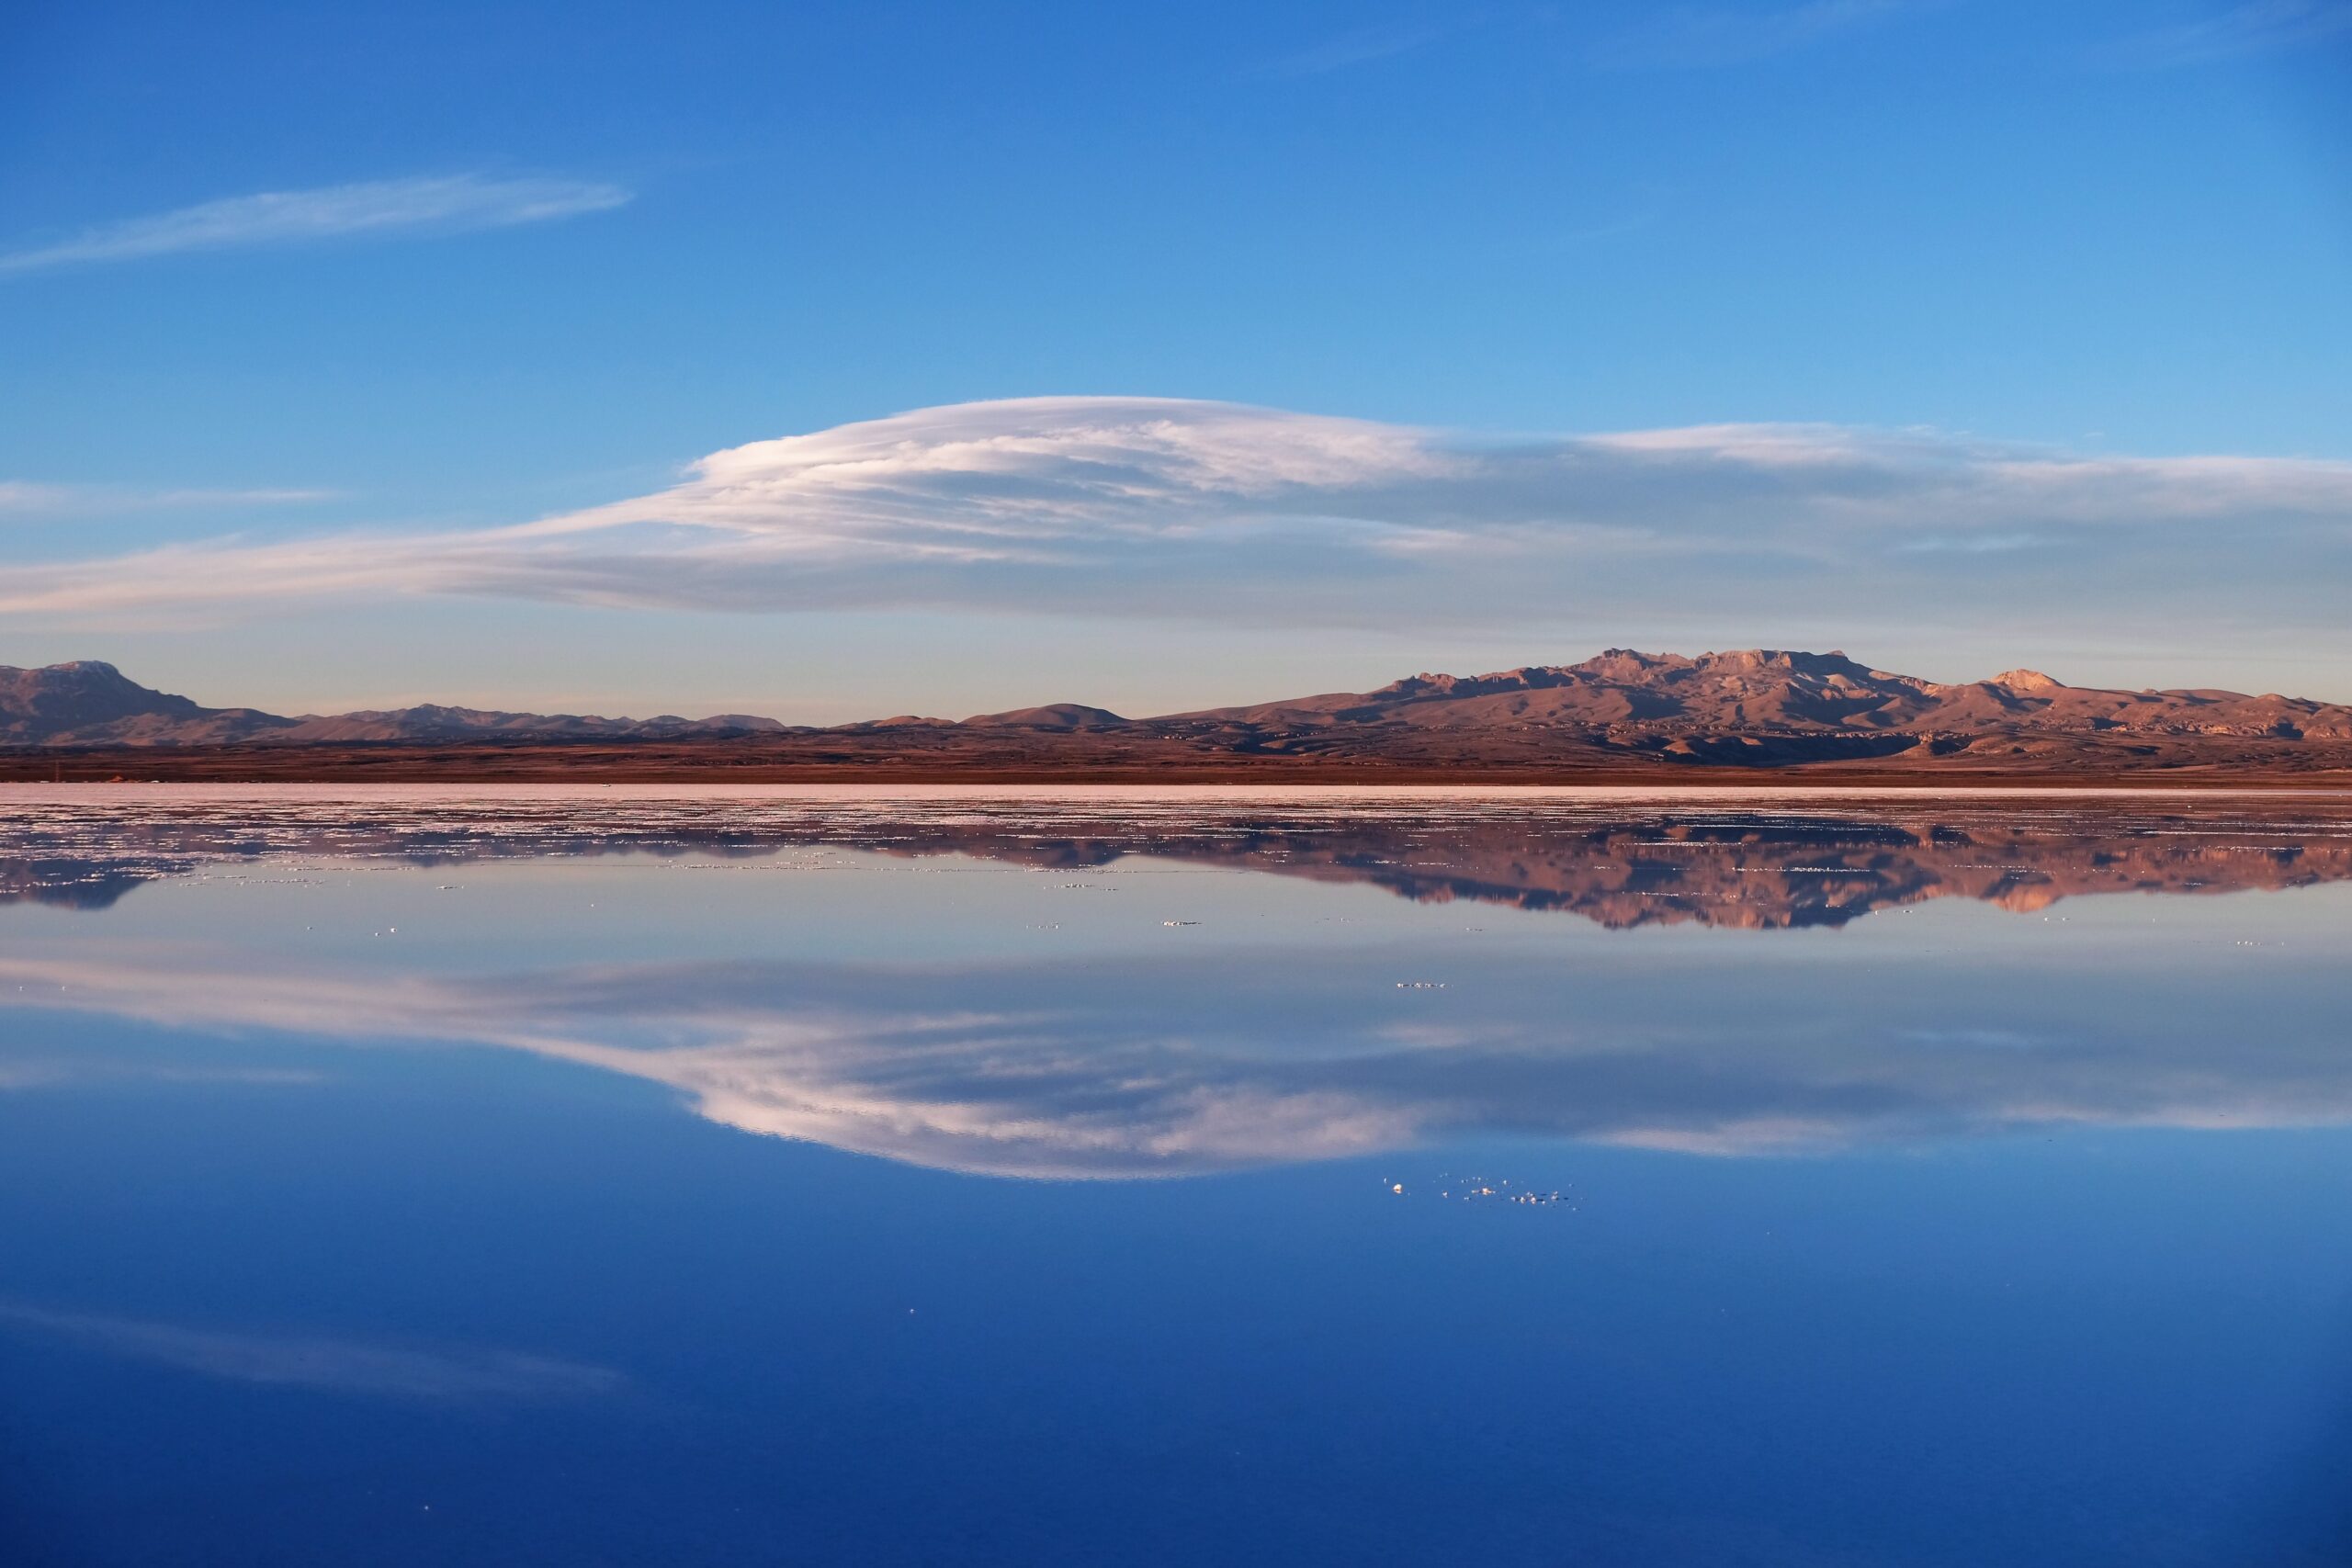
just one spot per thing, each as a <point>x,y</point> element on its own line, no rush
<point>980,480</point>
<point>1218,511</point>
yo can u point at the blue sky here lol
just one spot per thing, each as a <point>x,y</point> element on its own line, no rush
<point>325,303</point>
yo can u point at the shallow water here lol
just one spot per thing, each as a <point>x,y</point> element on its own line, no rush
<point>619,1177</point>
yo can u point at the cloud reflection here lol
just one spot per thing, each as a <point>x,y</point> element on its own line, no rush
<point>316,1362</point>
<point>1167,1066</point>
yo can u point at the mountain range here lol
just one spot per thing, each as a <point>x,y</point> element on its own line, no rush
<point>1621,710</point>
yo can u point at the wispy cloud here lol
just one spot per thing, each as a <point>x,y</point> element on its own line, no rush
<point>1361,46</point>
<point>1217,510</point>
<point>24,497</point>
<point>1982,543</point>
<point>321,1363</point>
<point>433,203</point>
<point>52,1074</point>
<point>1691,37</point>
<point>2257,26</point>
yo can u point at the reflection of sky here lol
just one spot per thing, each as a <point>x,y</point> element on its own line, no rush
<point>348,1215</point>
<point>1151,1017</point>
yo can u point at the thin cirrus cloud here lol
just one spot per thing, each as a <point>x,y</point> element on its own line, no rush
<point>29,499</point>
<point>1680,37</point>
<point>316,1362</point>
<point>1694,37</point>
<point>1214,511</point>
<point>1361,46</point>
<point>372,208</point>
<point>2256,27</point>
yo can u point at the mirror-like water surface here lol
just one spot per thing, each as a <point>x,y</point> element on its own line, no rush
<point>633,1177</point>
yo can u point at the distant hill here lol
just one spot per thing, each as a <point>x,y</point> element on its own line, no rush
<point>93,704</point>
<point>90,702</point>
<point>1765,705</point>
<point>1755,708</point>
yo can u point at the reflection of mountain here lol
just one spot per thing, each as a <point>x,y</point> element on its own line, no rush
<point>76,884</point>
<point>1184,1056</point>
<point>1747,873</point>
<point>1619,864</point>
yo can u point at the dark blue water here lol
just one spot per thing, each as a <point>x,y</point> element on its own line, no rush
<point>589,1183</point>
